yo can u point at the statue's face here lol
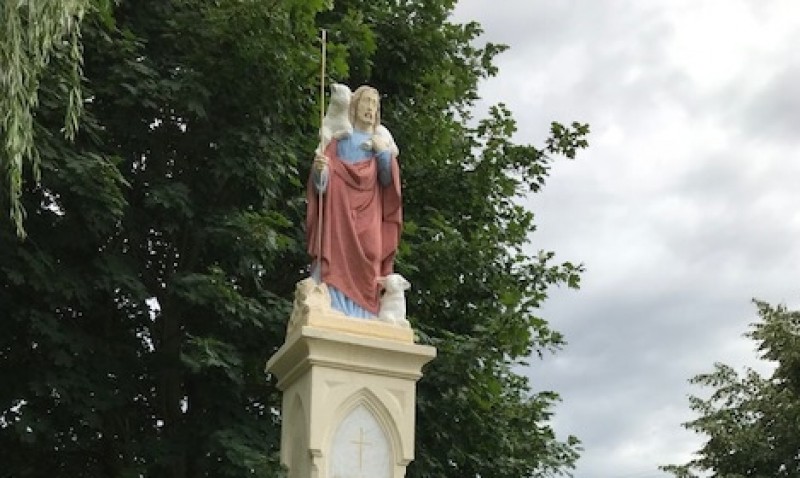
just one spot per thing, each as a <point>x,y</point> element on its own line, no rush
<point>367,109</point>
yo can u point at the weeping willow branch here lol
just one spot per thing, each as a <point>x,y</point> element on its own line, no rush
<point>30,31</point>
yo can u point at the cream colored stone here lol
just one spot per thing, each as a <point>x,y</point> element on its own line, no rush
<point>350,390</point>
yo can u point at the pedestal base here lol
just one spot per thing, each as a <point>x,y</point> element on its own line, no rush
<point>348,397</point>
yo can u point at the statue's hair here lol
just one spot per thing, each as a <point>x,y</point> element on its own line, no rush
<point>360,91</point>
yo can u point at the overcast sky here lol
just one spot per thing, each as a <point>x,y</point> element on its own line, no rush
<point>685,206</point>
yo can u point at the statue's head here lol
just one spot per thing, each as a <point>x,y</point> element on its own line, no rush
<point>365,108</point>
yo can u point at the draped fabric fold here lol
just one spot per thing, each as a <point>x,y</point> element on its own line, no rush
<point>361,228</point>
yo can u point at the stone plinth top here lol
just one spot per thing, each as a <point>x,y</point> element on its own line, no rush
<point>328,347</point>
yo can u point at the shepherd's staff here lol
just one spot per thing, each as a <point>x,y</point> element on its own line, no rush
<point>322,151</point>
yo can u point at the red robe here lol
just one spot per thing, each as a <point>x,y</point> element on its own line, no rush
<point>362,224</point>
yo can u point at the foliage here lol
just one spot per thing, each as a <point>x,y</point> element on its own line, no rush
<point>753,422</point>
<point>165,242</point>
<point>34,34</point>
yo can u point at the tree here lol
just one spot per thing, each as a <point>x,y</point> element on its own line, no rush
<point>165,242</point>
<point>137,324</point>
<point>475,289</point>
<point>32,34</point>
<point>753,422</point>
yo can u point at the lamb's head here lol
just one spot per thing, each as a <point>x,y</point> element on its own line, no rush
<point>394,282</point>
<point>340,94</point>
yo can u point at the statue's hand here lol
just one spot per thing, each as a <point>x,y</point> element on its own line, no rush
<point>342,134</point>
<point>320,162</point>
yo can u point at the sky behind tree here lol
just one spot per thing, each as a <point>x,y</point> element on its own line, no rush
<point>685,206</point>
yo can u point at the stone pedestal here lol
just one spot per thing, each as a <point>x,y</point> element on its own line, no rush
<point>349,390</point>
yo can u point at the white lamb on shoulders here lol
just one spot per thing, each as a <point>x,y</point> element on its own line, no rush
<point>382,136</point>
<point>393,301</point>
<point>336,123</point>
<point>384,133</point>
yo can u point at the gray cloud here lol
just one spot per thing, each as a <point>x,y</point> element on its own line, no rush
<point>773,113</point>
<point>684,207</point>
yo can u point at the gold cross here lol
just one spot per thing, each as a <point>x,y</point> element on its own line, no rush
<point>360,442</point>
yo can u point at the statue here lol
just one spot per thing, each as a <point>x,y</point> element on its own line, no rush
<point>355,187</point>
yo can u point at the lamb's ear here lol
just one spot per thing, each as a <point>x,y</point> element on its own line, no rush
<point>382,281</point>
<point>406,284</point>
